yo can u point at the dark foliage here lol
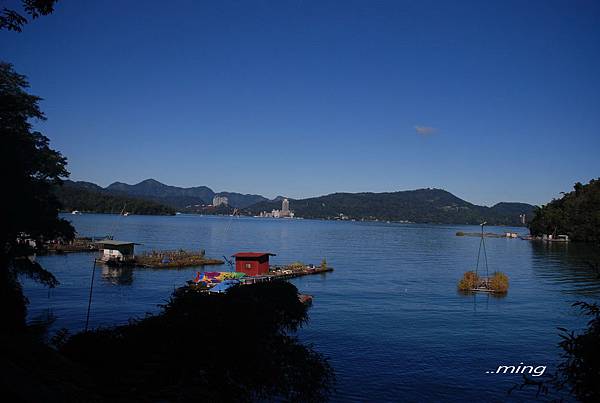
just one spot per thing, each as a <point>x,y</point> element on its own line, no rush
<point>30,169</point>
<point>579,372</point>
<point>14,20</point>
<point>422,206</point>
<point>77,196</point>
<point>230,347</point>
<point>576,214</point>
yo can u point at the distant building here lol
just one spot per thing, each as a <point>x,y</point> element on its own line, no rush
<point>285,211</point>
<point>220,200</point>
<point>523,218</point>
<point>285,207</point>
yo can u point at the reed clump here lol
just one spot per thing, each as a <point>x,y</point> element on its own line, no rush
<point>469,281</point>
<point>498,282</point>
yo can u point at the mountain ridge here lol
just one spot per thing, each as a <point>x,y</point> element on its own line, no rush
<point>180,197</point>
<point>426,205</point>
<point>423,205</point>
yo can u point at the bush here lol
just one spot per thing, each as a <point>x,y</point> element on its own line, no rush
<point>498,282</point>
<point>469,281</point>
<point>236,346</point>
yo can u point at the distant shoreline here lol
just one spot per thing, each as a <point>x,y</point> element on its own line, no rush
<point>68,213</point>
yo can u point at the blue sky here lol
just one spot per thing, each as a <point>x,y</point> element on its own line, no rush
<point>490,100</point>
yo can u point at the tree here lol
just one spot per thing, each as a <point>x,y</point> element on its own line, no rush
<point>576,214</point>
<point>13,20</point>
<point>30,170</point>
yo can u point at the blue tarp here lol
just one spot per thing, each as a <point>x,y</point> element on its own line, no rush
<point>224,286</point>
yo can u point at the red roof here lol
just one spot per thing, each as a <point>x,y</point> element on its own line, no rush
<point>253,254</point>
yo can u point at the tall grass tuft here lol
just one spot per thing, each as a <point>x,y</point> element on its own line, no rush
<point>499,282</point>
<point>469,281</point>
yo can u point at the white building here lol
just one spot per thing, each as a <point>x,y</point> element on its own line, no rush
<point>220,200</point>
<point>285,208</point>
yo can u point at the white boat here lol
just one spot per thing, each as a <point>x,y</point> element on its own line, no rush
<point>76,212</point>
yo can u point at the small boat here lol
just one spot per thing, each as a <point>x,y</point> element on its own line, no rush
<point>76,212</point>
<point>123,212</point>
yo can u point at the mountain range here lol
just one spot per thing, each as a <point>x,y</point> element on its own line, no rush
<point>173,196</point>
<point>421,205</point>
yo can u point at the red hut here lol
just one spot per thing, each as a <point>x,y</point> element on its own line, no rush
<point>252,263</point>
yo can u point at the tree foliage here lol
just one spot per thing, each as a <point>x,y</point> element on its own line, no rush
<point>13,20</point>
<point>576,214</point>
<point>30,169</point>
<point>228,347</point>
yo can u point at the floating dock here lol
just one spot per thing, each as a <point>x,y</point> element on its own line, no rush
<point>80,244</point>
<point>174,259</point>
<point>204,282</point>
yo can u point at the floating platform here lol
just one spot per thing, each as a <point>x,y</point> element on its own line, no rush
<point>77,245</point>
<point>174,259</point>
<point>510,235</point>
<point>276,273</point>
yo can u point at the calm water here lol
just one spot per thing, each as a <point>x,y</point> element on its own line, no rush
<point>389,317</point>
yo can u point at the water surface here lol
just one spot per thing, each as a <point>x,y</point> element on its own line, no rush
<point>389,317</point>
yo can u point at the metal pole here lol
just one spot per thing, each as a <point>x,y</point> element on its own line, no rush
<point>479,252</point>
<point>487,272</point>
<point>87,319</point>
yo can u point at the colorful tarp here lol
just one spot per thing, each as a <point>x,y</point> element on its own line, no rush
<point>212,277</point>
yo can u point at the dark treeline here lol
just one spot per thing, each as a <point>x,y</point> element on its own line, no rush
<point>205,347</point>
<point>73,197</point>
<point>576,214</point>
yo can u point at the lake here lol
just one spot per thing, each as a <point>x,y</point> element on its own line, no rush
<point>389,318</point>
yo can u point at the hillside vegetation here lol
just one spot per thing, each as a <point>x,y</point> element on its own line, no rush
<point>422,206</point>
<point>178,197</point>
<point>84,197</point>
<point>576,214</point>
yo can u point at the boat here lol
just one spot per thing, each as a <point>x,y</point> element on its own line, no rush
<point>76,212</point>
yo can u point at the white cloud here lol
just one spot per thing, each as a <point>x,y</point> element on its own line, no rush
<point>425,130</point>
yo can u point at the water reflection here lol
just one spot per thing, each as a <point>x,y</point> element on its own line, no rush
<point>574,266</point>
<point>117,275</point>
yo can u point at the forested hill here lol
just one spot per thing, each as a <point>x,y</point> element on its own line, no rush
<point>88,197</point>
<point>422,206</point>
<point>576,214</point>
<point>178,197</point>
